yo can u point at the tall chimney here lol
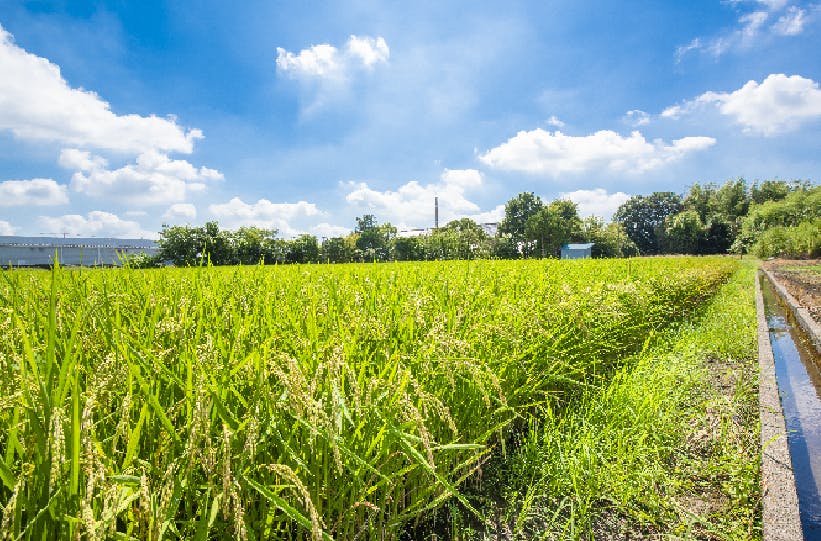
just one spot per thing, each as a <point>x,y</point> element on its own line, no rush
<point>436,212</point>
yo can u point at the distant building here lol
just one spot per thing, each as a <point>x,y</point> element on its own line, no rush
<point>488,227</point>
<point>577,251</point>
<point>40,251</point>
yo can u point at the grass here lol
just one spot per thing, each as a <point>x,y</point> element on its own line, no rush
<point>350,401</point>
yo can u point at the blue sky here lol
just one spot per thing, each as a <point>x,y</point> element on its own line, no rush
<point>117,117</point>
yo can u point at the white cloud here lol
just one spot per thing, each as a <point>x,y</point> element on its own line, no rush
<point>6,229</point>
<point>636,118</point>
<point>326,230</point>
<point>326,73</point>
<point>324,61</point>
<point>776,105</point>
<point>368,50</point>
<point>319,61</point>
<point>412,205</point>
<point>555,122</point>
<point>791,23</point>
<point>494,215</point>
<point>281,216</point>
<point>751,24</point>
<point>181,212</point>
<point>154,179</point>
<point>540,151</point>
<point>36,103</point>
<point>753,28</point>
<point>682,50</point>
<point>38,192</point>
<point>95,223</point>
<point>596,202</point>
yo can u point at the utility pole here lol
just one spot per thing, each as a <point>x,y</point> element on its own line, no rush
<point>436,212</point>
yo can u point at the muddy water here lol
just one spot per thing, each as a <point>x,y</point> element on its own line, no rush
<point>799,384</point>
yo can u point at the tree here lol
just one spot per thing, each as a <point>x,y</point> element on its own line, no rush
<point>217,246</point>
<point>252,243</point>
<point>517,212</point>
<point>700,199</point>
<point>731,201</point>
<point>471,240</point>
<point>303,249</point>
<point>683,233</point>
<point>373,241</point>
<point>408,249</point>
<point>798,207</point>
<point>608,240</point>
<point>642,217</point>
<point>776,190</point>
<point>552,226</point>
<point>720,209</point>
<point>337,250</point>
<point>180,244</point>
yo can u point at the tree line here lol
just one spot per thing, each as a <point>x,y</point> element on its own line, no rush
<point>769,218</point>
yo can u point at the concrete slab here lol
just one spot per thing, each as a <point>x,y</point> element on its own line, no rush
<point>781,520</point>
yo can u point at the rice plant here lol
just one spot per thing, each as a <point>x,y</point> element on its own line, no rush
<point>299,402</point>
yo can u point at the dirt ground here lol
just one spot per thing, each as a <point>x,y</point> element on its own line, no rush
<point>802,278</point>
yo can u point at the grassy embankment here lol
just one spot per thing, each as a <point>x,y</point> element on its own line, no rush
<point>668,448</point>
<point>349,401</point>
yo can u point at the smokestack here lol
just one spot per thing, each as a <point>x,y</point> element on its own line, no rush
<point>436,212</point>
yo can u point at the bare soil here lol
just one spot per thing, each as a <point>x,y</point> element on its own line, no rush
<point>802,278</point>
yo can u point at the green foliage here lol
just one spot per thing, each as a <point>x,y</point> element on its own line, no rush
<point>338,250</point>
<point>683,233</point>
<point>514,225</point>
<point>643,218</point>
<point>373,241</point>
<point>776,190</point>
<point>788,226</point>
<point>803,240</point>
<point>553,226</point>
<point>140,260</point>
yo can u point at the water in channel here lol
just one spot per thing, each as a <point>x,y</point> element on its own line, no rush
<point>799,384</point>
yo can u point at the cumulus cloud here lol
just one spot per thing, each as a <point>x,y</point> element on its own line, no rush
<point>412,204</point>
<point>636,118</point>
<point>543,152</point>
<point>37,192</point>
<point>154,179</point>
<point>776,105</point>
<point>324,61</point>
<point>181,212</point>
<point>95,223</point>
<point>326,73</point>
<point>326,230</point>
<point>555,122</point>
<point>6,229</point>
<point>494,215</point>
<point>280,216</point>
<point>596,202</point>
<point>36,103</point>
<point>769,19</point>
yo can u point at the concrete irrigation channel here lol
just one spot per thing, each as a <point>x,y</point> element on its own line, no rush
<point>790,407</point>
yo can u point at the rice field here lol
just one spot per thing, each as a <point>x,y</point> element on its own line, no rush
<point>302,402</point>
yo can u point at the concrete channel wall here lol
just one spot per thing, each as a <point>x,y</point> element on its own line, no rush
<point>780,520</point>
